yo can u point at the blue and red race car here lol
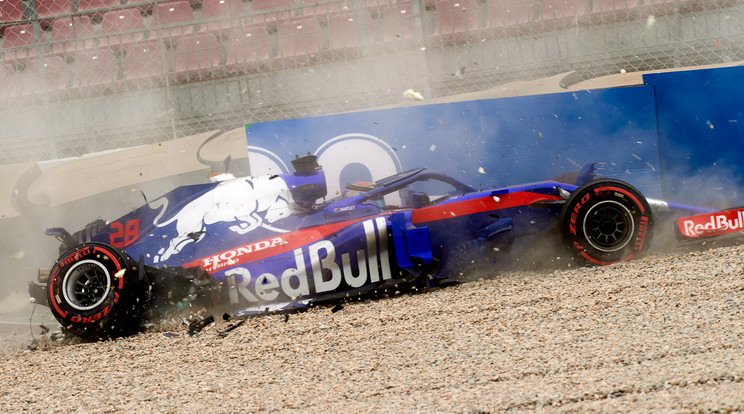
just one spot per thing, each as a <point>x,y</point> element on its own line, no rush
<point>263,244</point>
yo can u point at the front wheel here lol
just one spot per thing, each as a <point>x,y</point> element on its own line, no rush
<point>95,292</point>
<point>606,221</point>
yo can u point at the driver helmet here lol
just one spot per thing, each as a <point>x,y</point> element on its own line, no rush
<point>359,188</point>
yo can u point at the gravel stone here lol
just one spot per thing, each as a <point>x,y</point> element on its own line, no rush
<point>661,334</point>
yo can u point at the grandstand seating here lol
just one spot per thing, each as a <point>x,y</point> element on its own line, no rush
<point>144,6</point>
<point>325,11</point>
<point>289,32</point>
<point>396,26</point>
<point>507,16</point>
<point>175,20</point>
<point>457,21</point>
<point>248,49</point>
<point>197,57</point>
<point>10,11</point>
<point>222,16</point>
<point>260,5</point>
<point>47,74</point>
<point>330,7</point>
<point>299,42</point>
<point>602,10</point>
<point>122,27</point>
<point>614,10</point>
<point>47,10</point>
<point>552,12</point>
<point>346,33</point>
<point>71,35</point>
<point>272,19</point>
<point>375,7</point>
<point>95,71</point>
<point>96,7</point>
<point>19,44</point>
<point>659,7</point>
<point>143,64</point>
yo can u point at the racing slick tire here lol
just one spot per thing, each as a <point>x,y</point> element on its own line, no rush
<point>606,221</point>
<point>95,292</point>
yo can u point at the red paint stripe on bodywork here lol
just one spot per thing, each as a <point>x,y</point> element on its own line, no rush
<point>478,205</point>
<point>289,242</point>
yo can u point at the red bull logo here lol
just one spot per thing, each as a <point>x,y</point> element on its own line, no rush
<point>712,224</point>
<point>247,204</point>
<point>319,263</point>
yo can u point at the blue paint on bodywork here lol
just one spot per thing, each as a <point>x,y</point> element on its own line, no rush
<point>410,242</point>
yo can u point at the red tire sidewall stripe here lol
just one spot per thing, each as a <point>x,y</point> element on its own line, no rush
<point>55,281</point>
<point>52,280</point>
<point>602,263</point>
<point>627,193</point>
<point>639,237</point>
<point>116,263</point>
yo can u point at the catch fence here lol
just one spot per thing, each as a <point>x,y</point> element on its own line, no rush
<point>80,76</point>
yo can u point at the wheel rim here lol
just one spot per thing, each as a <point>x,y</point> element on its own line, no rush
<point>609,226</point>
<point>86,285</point>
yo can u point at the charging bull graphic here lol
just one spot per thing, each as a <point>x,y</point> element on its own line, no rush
<point>250,204</point>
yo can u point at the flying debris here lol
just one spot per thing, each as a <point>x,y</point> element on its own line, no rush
<point>413,95</point>
<point>650,21</point>
<point>197,326</point>
<point>230,328</point>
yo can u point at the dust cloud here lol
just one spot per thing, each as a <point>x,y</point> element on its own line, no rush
<point>36,195</point>
<point>24,248</point>
<point>371,80</point>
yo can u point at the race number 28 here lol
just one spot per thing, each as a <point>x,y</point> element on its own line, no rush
<point>124,234</point>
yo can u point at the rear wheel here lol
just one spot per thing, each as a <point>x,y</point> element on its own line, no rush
<point>606,221</point>
<point>95,292</point>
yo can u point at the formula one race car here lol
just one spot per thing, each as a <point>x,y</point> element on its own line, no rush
<point>266,244</point>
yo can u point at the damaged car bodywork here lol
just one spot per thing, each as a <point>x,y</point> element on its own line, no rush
<point>259,244</point>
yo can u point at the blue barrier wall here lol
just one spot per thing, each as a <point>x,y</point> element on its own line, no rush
<point>483,143</point>
<point>658,136</point>
<point>701,134</point>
